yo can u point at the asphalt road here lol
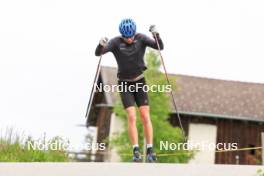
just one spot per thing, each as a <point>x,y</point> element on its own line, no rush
<point>124,169</point>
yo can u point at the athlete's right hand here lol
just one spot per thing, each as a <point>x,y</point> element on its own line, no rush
<point>103,42</point>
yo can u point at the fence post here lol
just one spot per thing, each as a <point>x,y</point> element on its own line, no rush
<point>262,149</point>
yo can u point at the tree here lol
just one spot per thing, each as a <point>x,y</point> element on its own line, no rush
<point>159,109</point>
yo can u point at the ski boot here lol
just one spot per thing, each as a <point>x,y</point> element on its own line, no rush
<point>151,156</point>
<point>136,155</point>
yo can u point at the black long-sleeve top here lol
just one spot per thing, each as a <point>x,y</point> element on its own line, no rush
<point>129,57</point>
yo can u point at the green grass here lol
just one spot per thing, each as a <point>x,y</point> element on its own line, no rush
<point>14,148</point>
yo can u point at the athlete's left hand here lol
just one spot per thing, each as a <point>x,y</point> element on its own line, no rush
<point>153,29</point>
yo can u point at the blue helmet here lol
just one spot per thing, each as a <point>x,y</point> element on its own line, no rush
<point>127,28</point>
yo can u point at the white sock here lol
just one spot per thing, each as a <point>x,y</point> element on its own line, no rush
<point>135,145</point>
<point>149,145</point>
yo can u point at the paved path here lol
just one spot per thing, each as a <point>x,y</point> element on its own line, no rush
<point>124,169</point>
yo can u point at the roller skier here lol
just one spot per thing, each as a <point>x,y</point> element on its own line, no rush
<point>129,49</point>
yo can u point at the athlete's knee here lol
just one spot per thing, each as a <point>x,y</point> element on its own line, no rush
<point>145,118</point>
<point>131,118</point>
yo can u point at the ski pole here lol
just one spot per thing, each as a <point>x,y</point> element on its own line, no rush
<point>168,81</point>
<point>93,87</point>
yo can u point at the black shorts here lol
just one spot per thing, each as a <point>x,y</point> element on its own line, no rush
<point>133,95</point>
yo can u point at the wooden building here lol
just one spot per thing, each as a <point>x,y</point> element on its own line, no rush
<point>215,110</point>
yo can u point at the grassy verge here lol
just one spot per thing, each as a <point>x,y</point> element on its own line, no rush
<point>14,148</point>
